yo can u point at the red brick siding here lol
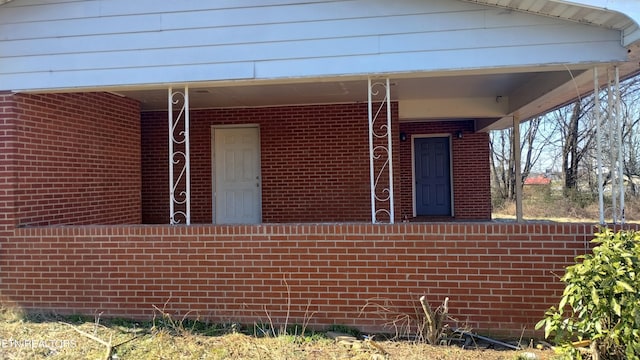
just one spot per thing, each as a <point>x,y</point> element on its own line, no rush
<point>314,160</point>
<point>8,137</point>
<point>77,159</point>
<point>470,162</point>
<point>499,277</point>
<point>154,168</point>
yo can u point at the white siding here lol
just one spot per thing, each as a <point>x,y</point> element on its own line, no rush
<point>54,44</point>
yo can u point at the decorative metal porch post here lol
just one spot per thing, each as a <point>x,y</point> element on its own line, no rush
<point>179,164</point>
<point>380,152</point>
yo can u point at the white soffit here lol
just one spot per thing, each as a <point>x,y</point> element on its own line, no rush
<point>622,15</point>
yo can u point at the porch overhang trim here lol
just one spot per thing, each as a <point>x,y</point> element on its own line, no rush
<point>551,92</point>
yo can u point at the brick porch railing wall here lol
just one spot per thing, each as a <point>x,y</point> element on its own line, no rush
<point>500,276</point>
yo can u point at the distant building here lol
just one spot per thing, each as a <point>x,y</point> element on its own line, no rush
<point>537,180</point>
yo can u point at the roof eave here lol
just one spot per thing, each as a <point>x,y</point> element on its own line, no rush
<point>621,15</point>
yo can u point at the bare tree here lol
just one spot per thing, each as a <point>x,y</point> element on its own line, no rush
<point>532,145</point>
<point>503,161</point>
<point>578,137</point>
<point>630,120</point>
<point>631,138</point>
<point>566,139</point>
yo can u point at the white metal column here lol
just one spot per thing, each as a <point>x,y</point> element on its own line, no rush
<point>613,122</point>
<point>380,151</point>
<point>612,117</point>
<point>515,145</point>
<point>179,164</point>
<point>598,119</point>
<point>618,144</point>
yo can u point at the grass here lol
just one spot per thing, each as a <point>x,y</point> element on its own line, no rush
<point>48,336</point>
<point>546,203</point>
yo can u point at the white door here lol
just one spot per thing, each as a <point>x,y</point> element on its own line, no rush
<point>236,167</point>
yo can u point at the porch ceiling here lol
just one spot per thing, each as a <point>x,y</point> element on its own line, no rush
<point>491,97</point>
<point>335,90</point>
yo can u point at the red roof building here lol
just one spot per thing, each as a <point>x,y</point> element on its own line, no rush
<point>537,180</point>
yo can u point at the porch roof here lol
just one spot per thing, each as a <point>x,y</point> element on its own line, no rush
<point>619,15</point>
<point>449,88</point>
<point>623,15</point>
<point>443,91</point>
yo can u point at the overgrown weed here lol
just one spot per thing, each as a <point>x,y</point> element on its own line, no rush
<point>270,329</point>
<point>10,313</point>
<point>541,204</point>
<point>423,325</point>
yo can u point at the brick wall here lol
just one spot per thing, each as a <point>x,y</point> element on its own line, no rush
<point>315,164</point>
<point>8,137</point>
<point>314,160</point>
<point>154,168</point>
<point>471,169</point>
<point>77,159</point>
<point>500,277</point>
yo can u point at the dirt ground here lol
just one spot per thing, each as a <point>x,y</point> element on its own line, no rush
<point>80,338</point>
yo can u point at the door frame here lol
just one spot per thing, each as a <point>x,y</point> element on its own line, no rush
<point>413,168</point>
<point>213,166</point>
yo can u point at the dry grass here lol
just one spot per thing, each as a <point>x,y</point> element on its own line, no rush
<point>543,203</point>
<point>50,337</point>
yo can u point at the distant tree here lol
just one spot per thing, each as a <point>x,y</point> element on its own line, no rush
<point>577,137</point>
<point>503,160</point>
<point>568,136</point>
<point>630,104</point>
<point>632,162</point>
<point>501,163</point>
<point>630,120</point>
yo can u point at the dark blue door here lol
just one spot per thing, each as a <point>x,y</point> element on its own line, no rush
<point>432,176</point>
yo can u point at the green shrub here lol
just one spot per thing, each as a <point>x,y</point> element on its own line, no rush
<point>601,300</point>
